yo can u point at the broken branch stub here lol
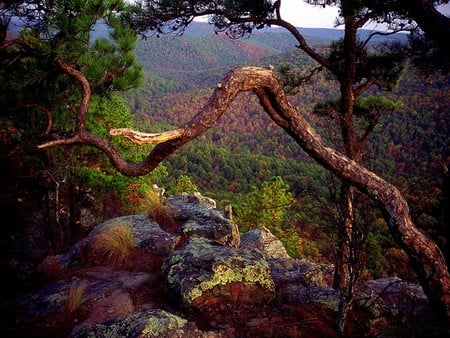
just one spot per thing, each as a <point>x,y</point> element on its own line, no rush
<point>146,138</point>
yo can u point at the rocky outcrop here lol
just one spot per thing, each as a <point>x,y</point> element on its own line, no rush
<point>195,215</point>
<point>200,280</point>
<point>147,235</point>
<point>394,299</point>
<point>304,282</point>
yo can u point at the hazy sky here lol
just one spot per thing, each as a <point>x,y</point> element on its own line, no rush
<point>300,14</point>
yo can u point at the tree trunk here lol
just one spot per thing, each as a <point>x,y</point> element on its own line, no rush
<point>425,257</point>
<point>346,78</point>
<point>341,278</point>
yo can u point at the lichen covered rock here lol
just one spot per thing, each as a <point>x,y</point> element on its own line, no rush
<point>102,287</point>
<point>237,287</point>
<point>323,297</point>
<point>394,298</point>
<point>202,273</point>
<point>147,235</point>
<point>151,323</point>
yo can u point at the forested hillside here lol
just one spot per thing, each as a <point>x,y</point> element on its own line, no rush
<point>333,143</point>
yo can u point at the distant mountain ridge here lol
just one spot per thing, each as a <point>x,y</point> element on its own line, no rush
<point>196,29</point>
<point>199,56</point>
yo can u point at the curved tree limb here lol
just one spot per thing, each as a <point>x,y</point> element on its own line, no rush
<point>81,113</point>
<point>46,110</point>
<point>425,256</point>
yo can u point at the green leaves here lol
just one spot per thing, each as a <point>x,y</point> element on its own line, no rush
<point>183,184</point>
<point>266,206</point>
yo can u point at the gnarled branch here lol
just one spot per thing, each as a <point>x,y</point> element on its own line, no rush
<point>81,113</point>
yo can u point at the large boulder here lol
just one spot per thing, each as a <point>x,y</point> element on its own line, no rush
<point>147,235</point>
<point>194,215</point>
<point>203,273</point>
<point>99,295</point>
<point>230,286</point>
<point>323,297</point>
<point>393,298</point>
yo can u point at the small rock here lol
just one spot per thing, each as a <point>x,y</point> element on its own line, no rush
<point>264,240</point>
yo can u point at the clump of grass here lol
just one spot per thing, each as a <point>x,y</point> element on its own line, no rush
<point>113,245</point>
<point>156,210</point>
<point>75,296</point>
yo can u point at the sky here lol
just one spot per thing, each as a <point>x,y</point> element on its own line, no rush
<point>300,14</point>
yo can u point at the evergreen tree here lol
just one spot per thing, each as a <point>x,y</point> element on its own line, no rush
<point>68,60</point>
<point>266,206</point>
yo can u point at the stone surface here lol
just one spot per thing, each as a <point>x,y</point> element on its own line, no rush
<point>264,240</point>
<point>302,272</point>
<point>199,217</point>
<point>321,296</point>
<point>203,281</point>
<point>146,233</point>
<point>99,284</point>
<point>148,324</point>
<point>393,297</point>
<point>113,305</point>
<point>203,273</point>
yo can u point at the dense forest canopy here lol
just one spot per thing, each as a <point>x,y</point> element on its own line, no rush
<point>63,92</point>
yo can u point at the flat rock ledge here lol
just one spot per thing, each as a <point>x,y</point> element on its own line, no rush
<point>151,323</point>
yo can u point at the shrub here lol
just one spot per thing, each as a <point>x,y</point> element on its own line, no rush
<point>75,296</point>
<point>183,184</point>
<point>113,244</point>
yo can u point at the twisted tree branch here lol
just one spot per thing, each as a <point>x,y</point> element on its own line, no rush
<point>425,256</point>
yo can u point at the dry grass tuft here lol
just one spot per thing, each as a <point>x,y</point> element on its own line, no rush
<point>156,210</point>
<point>75,296</point>
<point>114,244</point>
